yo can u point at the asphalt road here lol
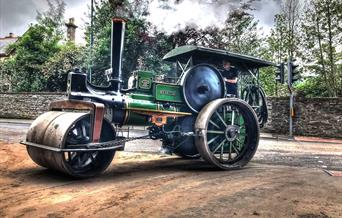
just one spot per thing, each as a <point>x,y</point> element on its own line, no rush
<point>14,131</point>
<point>270,150</point>
<point>284,179</point>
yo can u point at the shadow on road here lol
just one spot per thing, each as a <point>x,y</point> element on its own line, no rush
<point>161,166</point>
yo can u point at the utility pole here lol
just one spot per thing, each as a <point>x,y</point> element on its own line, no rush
<point>293,76</point>
<point>289,83</point>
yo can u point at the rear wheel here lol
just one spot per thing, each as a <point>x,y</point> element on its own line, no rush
<point>256,98</point>
<point>227,133</point>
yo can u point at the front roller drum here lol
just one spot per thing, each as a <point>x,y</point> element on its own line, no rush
<point>57,129</point>
<point>227,133</point>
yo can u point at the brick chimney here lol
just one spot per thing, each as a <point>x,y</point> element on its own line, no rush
<point>71,29</point>
<point>10,35</point>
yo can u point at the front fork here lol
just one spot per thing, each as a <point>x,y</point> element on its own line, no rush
<point>97,111</point>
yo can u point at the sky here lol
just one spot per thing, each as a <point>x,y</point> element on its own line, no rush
<point>16,15</point>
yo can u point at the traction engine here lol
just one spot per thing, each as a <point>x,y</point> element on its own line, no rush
<point>193,118</point>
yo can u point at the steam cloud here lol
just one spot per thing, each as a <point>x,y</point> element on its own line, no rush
<point>173,16</point>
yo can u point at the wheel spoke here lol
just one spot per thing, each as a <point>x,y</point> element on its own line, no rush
<point>79,160</point>
<point>72,160</point>
<point>212,140</point>
<point>230,151</point>
<point>237,152</point>
<point>92,158</point>
<point>220,145</point>
<point>69,156</point>
<point>219,116</point>
<point>239,143</point>
<point>84,132</point>
<point>215,131</point>
<point>214,124</point>
<point>233,117</point>
<point>78,131</point>
<point>221,154</point>
<point>224,112</point>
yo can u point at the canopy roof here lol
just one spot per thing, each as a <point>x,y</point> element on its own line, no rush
<point>213,56</point>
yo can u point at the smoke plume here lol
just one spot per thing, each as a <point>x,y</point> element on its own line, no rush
<point>176,15</point>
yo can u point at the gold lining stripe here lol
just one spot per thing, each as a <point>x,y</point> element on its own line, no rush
<point>158,111</point>
<point>126,112</point>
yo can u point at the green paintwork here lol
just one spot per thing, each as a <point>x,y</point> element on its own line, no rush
<point>145,79</point>
<point>137,119</point>
<point>227,146</point>
<point>138,110</point>
<point>168,92</point>
<point>150,98</point>
<point>142,104</point>
<point>137,104</point>
<point>141,96</point>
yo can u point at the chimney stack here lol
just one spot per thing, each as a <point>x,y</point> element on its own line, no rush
<point>71,29</point>
<point>117,43</point>
<point>10,35</point>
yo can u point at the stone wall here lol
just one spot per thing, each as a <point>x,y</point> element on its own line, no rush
<point>26,105</point>
<point>313,117</point>
<point>320,117</point>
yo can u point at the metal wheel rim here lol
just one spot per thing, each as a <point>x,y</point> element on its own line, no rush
<point>255,97</point>
<point>211,131</point>
<point>226,134</point>
<point>84,164</point>
<point>79,133</point>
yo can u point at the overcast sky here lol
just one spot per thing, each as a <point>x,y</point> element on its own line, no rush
<point>16,15</point>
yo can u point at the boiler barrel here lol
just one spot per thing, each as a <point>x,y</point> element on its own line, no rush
<point>138,112</point>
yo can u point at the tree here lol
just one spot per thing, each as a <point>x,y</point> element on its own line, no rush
<point>240,32</point>
<point>291,13</point>
<point>144,45</point>
<point>57,67</point>
<point>322,35</point>
<point>277,44</point>
<point>37,45</point>
<point>281,44</point>
<point>275,50</point>
<point>33,49</point>
<point>7,70</point>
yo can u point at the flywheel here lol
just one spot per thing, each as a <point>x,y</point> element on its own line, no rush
<point>202,84</point>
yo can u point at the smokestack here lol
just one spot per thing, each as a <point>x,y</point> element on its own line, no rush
<point>118,34</point>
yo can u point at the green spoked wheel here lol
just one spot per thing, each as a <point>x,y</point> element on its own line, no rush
<point>256,98</point>
<point>227,133</point>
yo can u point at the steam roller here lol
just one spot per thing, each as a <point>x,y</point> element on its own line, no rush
<point>60,131</point>
<point>192,118</point>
